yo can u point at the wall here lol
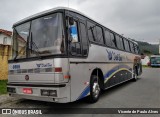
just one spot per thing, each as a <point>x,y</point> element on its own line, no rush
<point>5,54</point>
<point>8,39</point>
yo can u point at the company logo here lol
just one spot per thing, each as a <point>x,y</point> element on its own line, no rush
<point>6,111</point>
<point>26,77</point>
<point>109,55</point>
<point>113,56</point>
<point>21,111</point>
<point>41,65</point>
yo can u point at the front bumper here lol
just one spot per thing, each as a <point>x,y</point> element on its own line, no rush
<point>62,90</point>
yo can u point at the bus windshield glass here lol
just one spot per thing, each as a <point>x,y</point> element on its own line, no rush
<point>39,37</point>
<point>155,60</point>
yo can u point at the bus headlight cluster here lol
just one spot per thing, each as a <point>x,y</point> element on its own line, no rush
<point>45,92</point>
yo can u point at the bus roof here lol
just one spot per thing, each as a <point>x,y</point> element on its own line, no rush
<point>46,12</point>
<point>155,55</point>
<point>59,8</point>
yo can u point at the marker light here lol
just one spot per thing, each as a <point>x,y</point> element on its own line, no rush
<point>67,76</point>
<point>58,69</point>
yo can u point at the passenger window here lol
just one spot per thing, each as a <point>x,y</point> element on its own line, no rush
<point>91,31</point>
<point>136,48</point>
<point>126,44</point>
<point>84,39</point>
<point>121,42</point>
<point>99,35</point>
<point>131,47</point>
<point>118,42</point>
<point>113,41</point>
<point>107,38</point>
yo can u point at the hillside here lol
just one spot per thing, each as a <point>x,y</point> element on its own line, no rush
<point>147,48</point>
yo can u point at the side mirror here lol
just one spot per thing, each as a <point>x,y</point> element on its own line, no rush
<point>71,21</point>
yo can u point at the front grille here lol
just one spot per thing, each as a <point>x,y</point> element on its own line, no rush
<point>37,70</point>
<point>49,70</point>
<point>30,71</point>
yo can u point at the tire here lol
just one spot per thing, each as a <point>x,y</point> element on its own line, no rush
<point>135,74</point>
<point>95,89</point>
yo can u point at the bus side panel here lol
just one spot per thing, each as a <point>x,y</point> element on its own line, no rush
<point>80,77</point>
<point>117,67</point>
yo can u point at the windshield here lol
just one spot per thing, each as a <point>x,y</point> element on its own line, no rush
<point>20,36</point>
<point>39,37</point>
<point>155,60</point>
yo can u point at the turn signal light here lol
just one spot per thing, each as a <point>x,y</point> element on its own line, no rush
<point>67,77</point>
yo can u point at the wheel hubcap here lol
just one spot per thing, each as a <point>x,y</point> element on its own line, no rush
<point>96,89</point>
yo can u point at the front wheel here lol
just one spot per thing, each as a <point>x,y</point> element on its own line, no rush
<point>94,89</point>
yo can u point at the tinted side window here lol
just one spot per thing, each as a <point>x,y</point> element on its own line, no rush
<point>118,42</point>
<point>84,39</point>
<point>131,47</point>
<point>99,35</point>
<point>113,41</point>
<point>121,42</point>
<point>91,31</point>
<point>126,44</point>
<point>107,38</point>
<point>136,48</point>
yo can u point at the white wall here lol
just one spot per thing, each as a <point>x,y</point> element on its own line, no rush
<point>8,39</point>
<point>145,60</point>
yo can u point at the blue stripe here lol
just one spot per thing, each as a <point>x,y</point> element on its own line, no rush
<point>85,92</point>
<point>87,89</point>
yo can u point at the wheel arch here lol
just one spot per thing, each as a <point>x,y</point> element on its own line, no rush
<point>100,75</point>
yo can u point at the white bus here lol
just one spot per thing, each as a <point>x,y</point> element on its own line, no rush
<point>61,55</point>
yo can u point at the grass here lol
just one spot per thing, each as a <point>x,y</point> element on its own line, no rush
<point>3,88</point>
<point>145,66</point>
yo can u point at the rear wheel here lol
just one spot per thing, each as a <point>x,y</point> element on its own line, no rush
<point>135,74</point>
<point>94,89</point>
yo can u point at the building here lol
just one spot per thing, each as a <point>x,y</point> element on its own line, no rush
<point>145,60</point>
<point>5,52</point>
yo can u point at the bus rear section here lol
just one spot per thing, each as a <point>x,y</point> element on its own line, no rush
<point>45,80</point>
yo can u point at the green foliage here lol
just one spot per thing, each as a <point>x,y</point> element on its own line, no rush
<point>147,48</point>
<point>3,86</point>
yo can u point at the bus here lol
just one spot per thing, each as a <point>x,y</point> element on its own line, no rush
<point>61,55</point>
<point>155,61</point>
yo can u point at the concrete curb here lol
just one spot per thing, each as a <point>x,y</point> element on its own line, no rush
<point>6,99</point>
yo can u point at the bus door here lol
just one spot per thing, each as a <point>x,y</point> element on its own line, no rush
<point>78,51</point>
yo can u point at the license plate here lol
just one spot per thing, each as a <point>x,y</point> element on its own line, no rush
<point>27,90</point>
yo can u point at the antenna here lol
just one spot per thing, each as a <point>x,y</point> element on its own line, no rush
<point>68,3</point>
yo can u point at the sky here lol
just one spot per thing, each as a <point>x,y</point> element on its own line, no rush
<point>135,19</point>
